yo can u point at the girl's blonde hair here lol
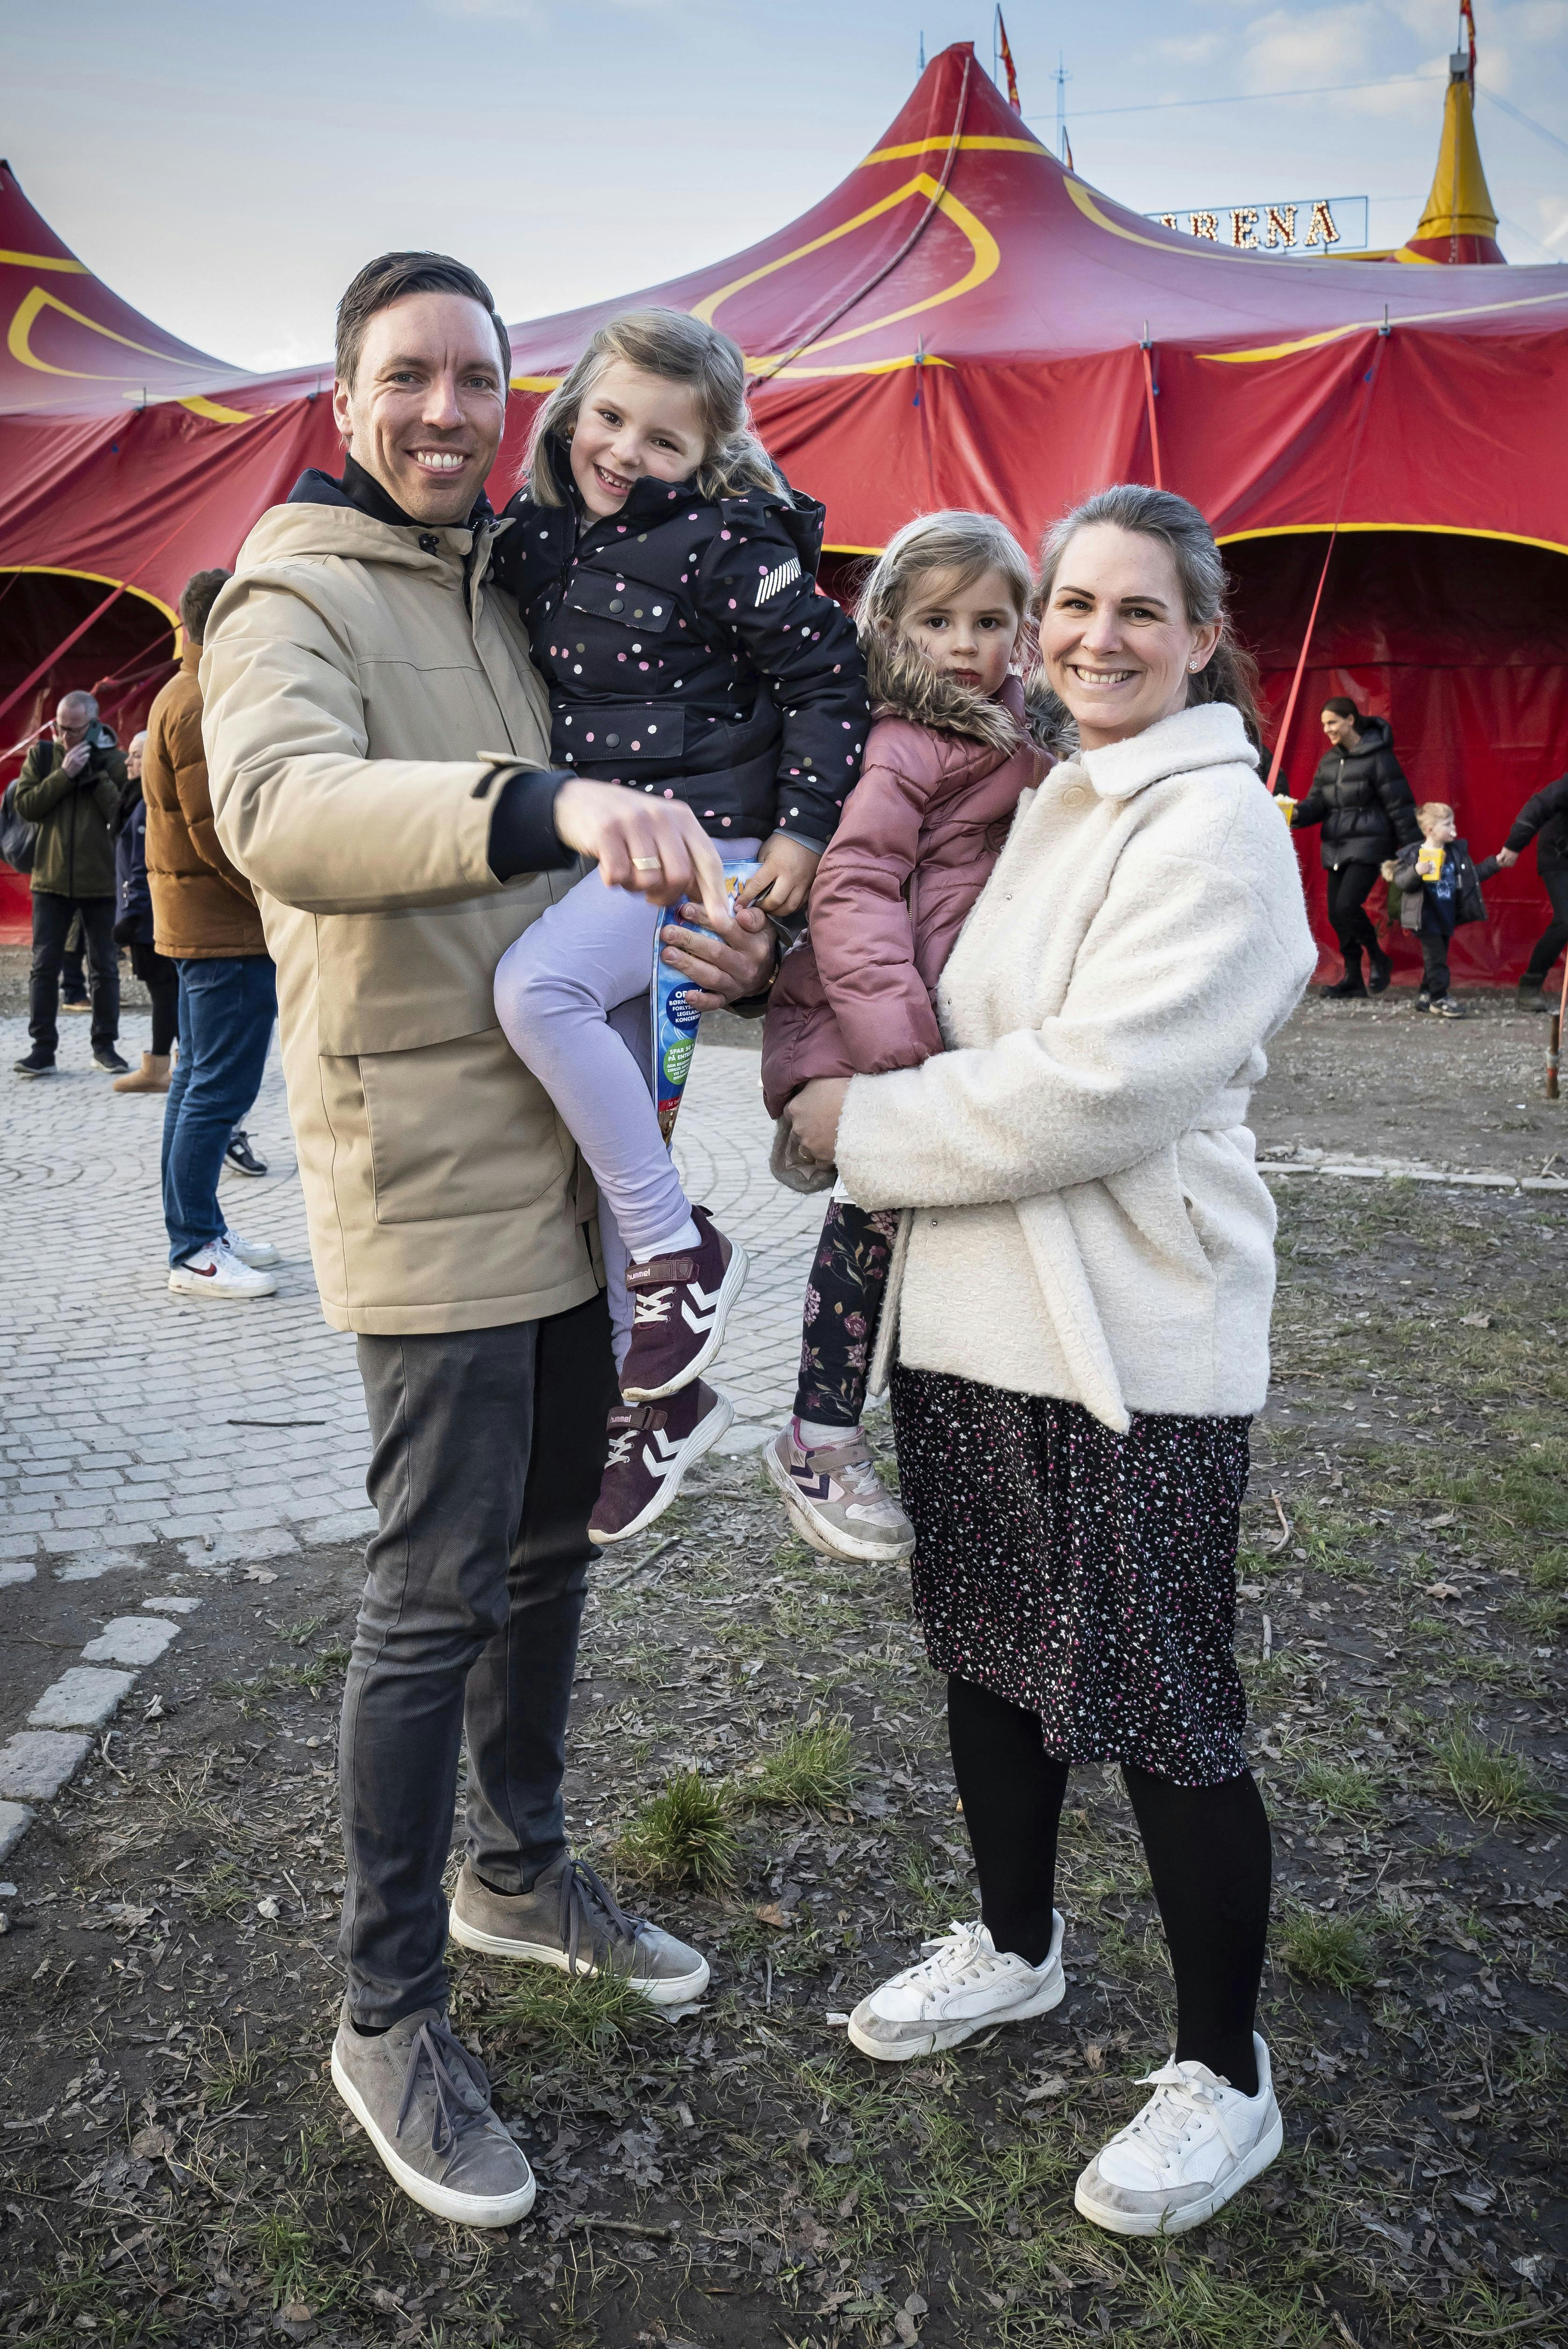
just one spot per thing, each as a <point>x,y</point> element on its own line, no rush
<point>965,545</point>
<point>679,348</point>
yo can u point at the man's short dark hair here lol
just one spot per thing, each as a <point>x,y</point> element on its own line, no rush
<point>197,598</point>
<point>385,281</point>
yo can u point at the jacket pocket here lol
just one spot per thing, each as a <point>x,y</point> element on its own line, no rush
<point>459,1128</point>
<point>624,730</point>
<point>616,596</point>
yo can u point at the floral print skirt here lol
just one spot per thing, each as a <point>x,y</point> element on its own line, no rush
<point>1087,1576</point>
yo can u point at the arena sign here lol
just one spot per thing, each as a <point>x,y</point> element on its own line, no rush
<point>1308,226</point>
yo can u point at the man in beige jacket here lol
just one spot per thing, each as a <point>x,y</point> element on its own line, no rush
<point>377,750</point>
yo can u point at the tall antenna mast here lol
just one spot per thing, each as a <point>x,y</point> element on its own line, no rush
<point>1064,147</point>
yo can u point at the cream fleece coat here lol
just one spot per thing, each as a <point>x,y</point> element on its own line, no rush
<point>1090,1222</point>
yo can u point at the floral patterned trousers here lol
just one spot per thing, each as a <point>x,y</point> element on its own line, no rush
<point>843,1305</point>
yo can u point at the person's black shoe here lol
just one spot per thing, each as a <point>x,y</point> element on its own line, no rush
<point>75,1003</point>
<point>1379,972</point>
<point>1533,996</point>
<point>1351,984</point>
<point>238,1154</point>
<point>105,1057</point>
<point>38,1063</point>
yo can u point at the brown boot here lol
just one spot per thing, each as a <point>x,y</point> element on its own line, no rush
<point>153,1077</point>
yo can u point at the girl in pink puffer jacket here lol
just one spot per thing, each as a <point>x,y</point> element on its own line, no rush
<point>941,623</point>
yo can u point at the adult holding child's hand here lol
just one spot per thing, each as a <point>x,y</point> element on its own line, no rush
<point>1083,1336</point>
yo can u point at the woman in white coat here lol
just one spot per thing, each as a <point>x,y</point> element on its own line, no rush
<point>1083,1331</point>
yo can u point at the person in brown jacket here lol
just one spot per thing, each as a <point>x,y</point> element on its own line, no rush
<point>204,919</point>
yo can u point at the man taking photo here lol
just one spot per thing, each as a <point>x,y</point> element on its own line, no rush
<point>70,788</point>
<point>378,752</point>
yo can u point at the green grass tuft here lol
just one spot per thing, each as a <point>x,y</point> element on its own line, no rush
<point>1493,1779</point>
<point>595,2015</point>
<point>683,1838</point>
<point>1324,1953</point>
<point>810,1769</point>
<point>1339,1786</point>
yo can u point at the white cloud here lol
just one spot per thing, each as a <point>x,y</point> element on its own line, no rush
<point>1193,50</point>
<point>1310,46</point>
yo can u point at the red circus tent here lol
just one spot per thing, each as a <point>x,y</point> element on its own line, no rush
<point>962,321</point>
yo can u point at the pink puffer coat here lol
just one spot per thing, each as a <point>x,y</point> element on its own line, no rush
<point>921,831</point>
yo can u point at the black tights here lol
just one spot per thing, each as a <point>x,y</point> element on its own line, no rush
<point>1208,1854</point>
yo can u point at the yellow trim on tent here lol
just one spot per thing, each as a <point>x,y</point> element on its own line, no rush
<point>43,261</point>
<point>941,143</point>
<point>1429,529</point>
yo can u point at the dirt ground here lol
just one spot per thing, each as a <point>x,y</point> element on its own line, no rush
<point>176,2166</point>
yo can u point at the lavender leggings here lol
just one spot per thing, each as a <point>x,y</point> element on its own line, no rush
<point>572,996</point>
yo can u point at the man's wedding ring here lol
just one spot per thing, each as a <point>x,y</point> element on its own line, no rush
<point>644,863</point>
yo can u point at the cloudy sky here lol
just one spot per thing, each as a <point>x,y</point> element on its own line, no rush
<point>227,168</point>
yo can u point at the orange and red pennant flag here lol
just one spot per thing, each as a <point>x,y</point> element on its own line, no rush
<point>1005,54</point>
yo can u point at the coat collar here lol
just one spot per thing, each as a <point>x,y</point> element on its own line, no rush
<point>1210,734</point>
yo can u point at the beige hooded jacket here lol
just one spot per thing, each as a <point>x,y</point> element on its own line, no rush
<point>360,702</point>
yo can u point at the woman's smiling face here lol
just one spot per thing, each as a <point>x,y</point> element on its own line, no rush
<point>1115,643</point>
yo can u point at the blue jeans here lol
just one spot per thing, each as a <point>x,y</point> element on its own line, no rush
<point>227,1006</point>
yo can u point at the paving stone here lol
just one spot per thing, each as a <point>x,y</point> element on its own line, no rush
<point>81,1699</point>
<point>242,1549</point>
<point>16,1569</point>
<point>130,1640</point>
<point>88,1565</point>
<point>36,1762</point>
<point>14,1820</point>
<point>172,1605</point>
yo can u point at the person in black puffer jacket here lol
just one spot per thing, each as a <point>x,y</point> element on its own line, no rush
<point>1543,819</point>
<point>1367,811</point>
<point>666,573</point>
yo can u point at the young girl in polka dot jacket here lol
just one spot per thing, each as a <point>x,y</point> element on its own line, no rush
<point>666,576</point>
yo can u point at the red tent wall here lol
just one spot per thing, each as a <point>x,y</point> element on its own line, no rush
<point>1461,643</point>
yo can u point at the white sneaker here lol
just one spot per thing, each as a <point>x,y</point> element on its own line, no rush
<point>964,1984</point>
<point>1196,2142</point>
<point>260,1254</point>
<point>216,1271</point>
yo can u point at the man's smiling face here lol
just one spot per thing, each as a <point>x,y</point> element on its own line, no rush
<point>425,411</point>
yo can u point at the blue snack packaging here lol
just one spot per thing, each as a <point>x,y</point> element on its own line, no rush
<point>673,1020</point>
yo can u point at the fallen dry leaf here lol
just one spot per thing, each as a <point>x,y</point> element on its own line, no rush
<point>771,1913</point>
<point>1476,1320</point>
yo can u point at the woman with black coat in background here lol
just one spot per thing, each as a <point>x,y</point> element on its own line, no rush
<point>1367,811</point>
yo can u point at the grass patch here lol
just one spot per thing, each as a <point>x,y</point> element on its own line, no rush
<point>1349,1791</point>
<point>223,1892</point>
<point>810,1769</point>
<point>1324,1953</point>
<point>1494,1780</point>
<point>683,1839</point>
<point>592,2017</point>
<point>232,2077</point>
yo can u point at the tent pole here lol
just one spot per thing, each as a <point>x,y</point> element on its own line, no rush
<point>1371,379</point>
<point>48,663</point>
<point>1148,349</point>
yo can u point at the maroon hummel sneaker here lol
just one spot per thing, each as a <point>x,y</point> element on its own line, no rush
<point>680,1305</point>
<point>652,1445</point>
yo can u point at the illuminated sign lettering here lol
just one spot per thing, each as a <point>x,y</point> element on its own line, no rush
<point>1305,229</point>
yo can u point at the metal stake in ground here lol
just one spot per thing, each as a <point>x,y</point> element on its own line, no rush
<point>1554,1040</point>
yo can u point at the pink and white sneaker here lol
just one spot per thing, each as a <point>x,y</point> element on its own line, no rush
<point>652,1445</point>
<point>834,1499</point>
<point>679,1306</point>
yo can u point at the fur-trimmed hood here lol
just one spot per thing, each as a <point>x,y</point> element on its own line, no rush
<point>904,685</point>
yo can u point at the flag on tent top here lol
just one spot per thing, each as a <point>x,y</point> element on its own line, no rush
<point>1004,52</point>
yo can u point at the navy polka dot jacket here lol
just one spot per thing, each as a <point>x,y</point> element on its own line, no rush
<point>688,652</point>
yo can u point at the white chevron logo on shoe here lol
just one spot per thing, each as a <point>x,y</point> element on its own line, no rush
<point>660,1463</point>
<point>706,1299</point>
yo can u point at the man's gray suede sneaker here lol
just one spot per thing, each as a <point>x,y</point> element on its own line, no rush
<point>424,2103</point>
<point>572,1920</point>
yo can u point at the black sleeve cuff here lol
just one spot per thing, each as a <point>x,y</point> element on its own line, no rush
<point>523,835</point>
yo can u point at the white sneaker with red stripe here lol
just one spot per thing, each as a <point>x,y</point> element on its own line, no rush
<point>216,1271</point>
